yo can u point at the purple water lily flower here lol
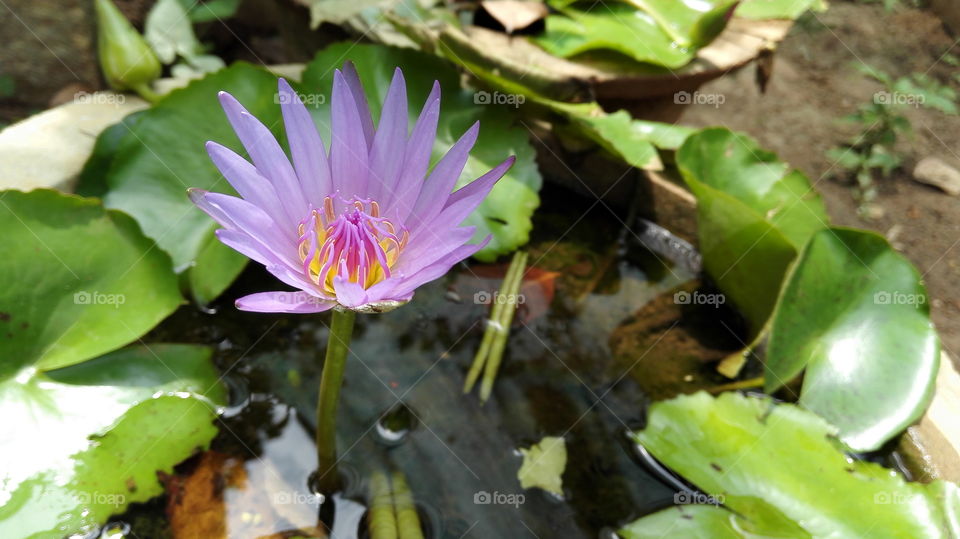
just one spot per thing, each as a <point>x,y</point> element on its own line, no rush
<point>361,228</point>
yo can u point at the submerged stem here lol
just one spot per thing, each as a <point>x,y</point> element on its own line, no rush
<point>338,346</point>
<point>749,383</point>
<point>501,325</point>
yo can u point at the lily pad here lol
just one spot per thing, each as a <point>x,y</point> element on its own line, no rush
<point>617,27</point>
<point>162,154</point>
<point>714,522</point>
<point>661,32</point>
<point>80,281</point>
<point>779,467</point>
<point>754,216</point>
<point>506,212</point>
<point>83,442</point>
<point>855,314</point>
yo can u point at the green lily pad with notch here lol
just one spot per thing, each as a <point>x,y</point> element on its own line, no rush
<point>780,469</point>
<point>162,154</point>
<point>612,26</point>
<point>506,213</point>
<point>79,281</point>
<point>855,315</point>
<point>755,215</point>
<point>84,442</point>
<point>665,33</point>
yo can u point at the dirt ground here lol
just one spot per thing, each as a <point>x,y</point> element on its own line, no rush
<point>814,85</point>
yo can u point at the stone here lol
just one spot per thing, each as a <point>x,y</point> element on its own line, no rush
<point>936,172</point>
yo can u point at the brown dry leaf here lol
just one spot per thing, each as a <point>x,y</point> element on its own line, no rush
<point>224,497</point>
<point>195,502</point>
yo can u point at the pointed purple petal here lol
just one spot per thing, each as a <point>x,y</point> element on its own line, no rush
<point>390,140</point>
<point>467,198</point>
<point>436,270</point>
<point>283,302</point>
<point>436,190</point>
<point>348,149</point>
<point>429,246</point>
<point>248,182</point>
<point>267,156</point>
<point>416,159</point>
<point>281,268</point>
<point>352,79</point>
<point>306,147</point>
<point>237,214</point>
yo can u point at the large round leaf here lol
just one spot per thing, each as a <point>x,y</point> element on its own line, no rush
<point>162,154</point>
<point>83,442</point>
<point>754,216</point>
<point>506,212</point>
<point>854,314</point>
<point>778,467</point>
<point>79,281</point>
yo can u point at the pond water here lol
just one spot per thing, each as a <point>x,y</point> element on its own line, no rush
<point>599,335</point>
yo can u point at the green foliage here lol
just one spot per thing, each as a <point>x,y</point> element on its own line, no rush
<point>873,151</point>
<point>777,473</point>
<point>855,315</point>
<point>125,58</point>
<point>755,216</point>
<point>660,32</point>
<point>891,5</point>
<point>210,10</point>
<point>86,437</point>
<point>169,32</point>
<point>80,280</point>
<point>89,440</point>
<point>840,303</point>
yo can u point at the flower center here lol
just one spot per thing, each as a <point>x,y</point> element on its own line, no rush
<point>358,245</point>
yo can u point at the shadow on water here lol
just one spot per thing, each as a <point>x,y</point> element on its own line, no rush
<point>599,336</point>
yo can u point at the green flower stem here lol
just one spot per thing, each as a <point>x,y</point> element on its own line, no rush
<point>488,335</point>
<point>147,93</point>
<point>501,328</point>
<point>494,340</point>
<point>338,346</point>
<point>749,383</point>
